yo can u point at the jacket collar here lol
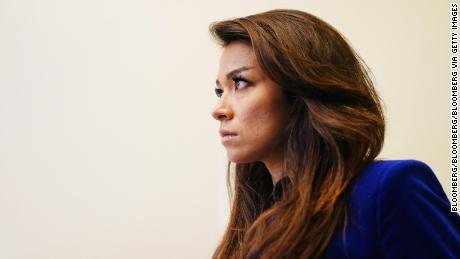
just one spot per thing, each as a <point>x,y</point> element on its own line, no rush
<point>277,191</point>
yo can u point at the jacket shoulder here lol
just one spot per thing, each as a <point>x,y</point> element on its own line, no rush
<point>411,212</point>
<point>382,175</point>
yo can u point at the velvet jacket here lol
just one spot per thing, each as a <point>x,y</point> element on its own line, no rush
<point>397,209</point>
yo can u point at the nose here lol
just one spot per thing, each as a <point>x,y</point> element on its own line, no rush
<point>222,111</point>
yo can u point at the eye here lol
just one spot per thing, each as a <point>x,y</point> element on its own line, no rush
<point>240,82</point>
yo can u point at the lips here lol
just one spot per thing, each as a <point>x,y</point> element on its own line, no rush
<point>224,132</point>
<point>227,135</point>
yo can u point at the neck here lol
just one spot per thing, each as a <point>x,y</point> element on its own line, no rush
<point>275,169</point>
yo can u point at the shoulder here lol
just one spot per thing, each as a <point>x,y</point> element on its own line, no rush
<point>407,208</point>
<point>381,172</point>
<point>408,186</point>
<point>383,180</point>
<point>401,181</point>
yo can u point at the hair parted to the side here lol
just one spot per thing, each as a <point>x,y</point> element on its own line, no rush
<point>336,128</point>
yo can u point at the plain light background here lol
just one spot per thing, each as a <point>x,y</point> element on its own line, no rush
<point>107,144</point>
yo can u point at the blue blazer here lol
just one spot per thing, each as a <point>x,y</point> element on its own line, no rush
<point>398,209</point>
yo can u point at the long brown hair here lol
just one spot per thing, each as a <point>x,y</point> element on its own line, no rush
<point>336,127</point>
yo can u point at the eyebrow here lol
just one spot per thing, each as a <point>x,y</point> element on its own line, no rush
<point>233,73</point>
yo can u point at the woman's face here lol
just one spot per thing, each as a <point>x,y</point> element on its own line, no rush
<point>250,106</point>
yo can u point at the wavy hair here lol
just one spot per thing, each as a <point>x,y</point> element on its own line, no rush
<point>336,127</point>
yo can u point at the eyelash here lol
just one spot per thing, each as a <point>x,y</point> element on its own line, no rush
<point>235,79</point>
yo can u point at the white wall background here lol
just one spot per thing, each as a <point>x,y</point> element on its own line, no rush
<point>107,145</point>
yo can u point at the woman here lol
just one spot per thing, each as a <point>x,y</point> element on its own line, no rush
<point>303,124</point>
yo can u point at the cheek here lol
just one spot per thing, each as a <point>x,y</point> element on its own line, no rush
<point>262,126</point>
<point>253,131</point>
<point>260,123</point>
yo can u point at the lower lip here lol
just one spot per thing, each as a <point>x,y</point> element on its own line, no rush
<point>227,138</point>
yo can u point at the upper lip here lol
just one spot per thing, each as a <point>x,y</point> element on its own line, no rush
<point>224,132</point>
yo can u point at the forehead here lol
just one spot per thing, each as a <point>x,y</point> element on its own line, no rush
<point>235,55</point>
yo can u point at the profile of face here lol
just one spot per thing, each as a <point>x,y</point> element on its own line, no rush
<point>250,106</point>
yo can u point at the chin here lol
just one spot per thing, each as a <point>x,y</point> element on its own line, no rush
<point>240,158</point>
